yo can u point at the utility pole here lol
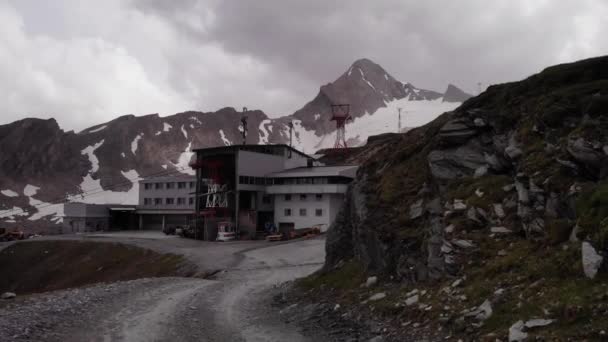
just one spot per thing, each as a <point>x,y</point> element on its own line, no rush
<point>399,122</point>
<point>290,124</point>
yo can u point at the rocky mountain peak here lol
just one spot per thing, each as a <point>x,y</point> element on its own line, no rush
<point>455,94</point>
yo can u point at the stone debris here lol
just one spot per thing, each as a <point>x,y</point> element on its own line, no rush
<point>459,205</point>
<point>449,229</point>
<point>508,188</point>
<point>538,322</point>
<point>592,261</point>
<point>464,244</point>
<point>371,281</point>
<point>412,300</point>
<point>416,209</point>
<point>457,282</point>
<point>479,193</point>
<point>377,296</point>
<point>498,210</point>
<point>500,230</point>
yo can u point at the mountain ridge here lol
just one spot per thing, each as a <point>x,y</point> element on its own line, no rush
<point>40,153</point>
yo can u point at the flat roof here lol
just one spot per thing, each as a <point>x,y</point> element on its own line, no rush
<point>317,171</point>
<point>249,147</point>
<point>175,178</point>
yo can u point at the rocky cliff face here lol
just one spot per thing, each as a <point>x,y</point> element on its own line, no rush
<point>527,158</point>
<point>489,223</point>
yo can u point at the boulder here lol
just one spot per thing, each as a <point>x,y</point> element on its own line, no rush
<point>456,162</point>
<point>592,261</point>
<point>457,131</point>
<point>416,209</point>
<point>516,333</point>
<point>8,295</point>
<point>412,300</point>
<point>584,153</point>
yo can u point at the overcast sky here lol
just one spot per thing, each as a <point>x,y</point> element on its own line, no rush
<point>85,62</point>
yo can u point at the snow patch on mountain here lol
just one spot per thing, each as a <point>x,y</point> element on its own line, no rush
<point>90,152</point>
<point>9,193</point>
<point>134,143</point>
<point>166,127</point>
<point>30,190</point>
<point>224,139</point>
<point>365,79</point>
<point>97,129</point>
<point>264,134</point>
<point>195,119</point>
<point>414,113</point>
<point>93,193</point>
<point>183,162</point>
<point>8,215</point>
<point>184,132</point>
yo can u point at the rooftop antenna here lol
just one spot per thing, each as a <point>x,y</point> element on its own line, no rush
<point>340,114</point>
<point>244,126</point>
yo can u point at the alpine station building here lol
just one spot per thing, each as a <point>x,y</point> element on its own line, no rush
<point>248,186</point>
<point>252,186</point>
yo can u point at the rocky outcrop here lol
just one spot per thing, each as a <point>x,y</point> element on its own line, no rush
<point>498,164</point>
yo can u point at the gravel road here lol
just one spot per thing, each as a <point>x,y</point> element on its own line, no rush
<point>234,306</point>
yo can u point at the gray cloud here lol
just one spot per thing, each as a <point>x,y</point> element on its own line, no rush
<point>89,63</point>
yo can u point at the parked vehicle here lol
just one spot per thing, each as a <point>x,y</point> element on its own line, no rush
<point>6,235</point>
<point>169,230</point>
<point>225,231</point>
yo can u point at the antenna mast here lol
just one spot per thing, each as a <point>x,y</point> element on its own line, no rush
<point>244,126</point>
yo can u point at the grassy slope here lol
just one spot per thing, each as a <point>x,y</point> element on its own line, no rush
<point>39,266</point>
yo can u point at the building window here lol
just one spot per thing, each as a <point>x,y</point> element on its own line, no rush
<point>147,201</point>
<point>170,185</point>
<point>192,184</point>
<point>266,199</point>
<point>319,197</point>
<point>158,201</point>
<point>191,200</point>
<point>287,212</point>
<point>318,212</point>
<point>148,186</point>
<point>302,212</point>
<point>158,186</point>
<point>181,185</point>
<point>181,201</point>
<point>169,201</point>
<point>302,197</point>
<point>288,197</point>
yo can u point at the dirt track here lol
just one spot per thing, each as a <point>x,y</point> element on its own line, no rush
<point>232,307</point>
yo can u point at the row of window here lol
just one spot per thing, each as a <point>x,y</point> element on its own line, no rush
<point>303,197</point>
<point>168,201</point>
<point>303,212</point>
<point>169,185</point>
<point>293,181</point>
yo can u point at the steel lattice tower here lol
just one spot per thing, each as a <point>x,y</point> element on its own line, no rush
<point>340,114</point>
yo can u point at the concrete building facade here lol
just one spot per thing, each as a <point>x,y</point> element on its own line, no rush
<point>166,202</point>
